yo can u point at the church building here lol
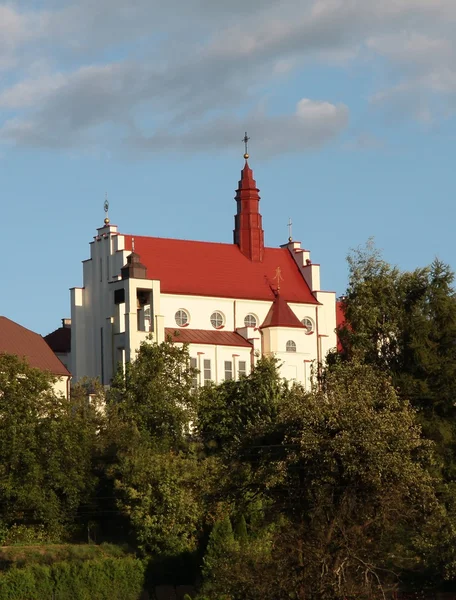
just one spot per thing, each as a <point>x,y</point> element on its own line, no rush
<point>231,303</point>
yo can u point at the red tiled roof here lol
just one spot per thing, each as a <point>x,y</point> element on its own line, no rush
<point>59,340</point>
<point>340,321</point>
<point>281,315</point>
<point>201,336</point>
<point>213,269</point>
<point>15,339</point>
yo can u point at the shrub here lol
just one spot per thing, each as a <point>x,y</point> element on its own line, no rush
<point>102,579</point>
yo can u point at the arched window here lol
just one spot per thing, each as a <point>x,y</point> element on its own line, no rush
<point>250,320</point>
<point>308,324</point>
<point>182,317</point>
<point>217,320</point>
<point>291,346</point>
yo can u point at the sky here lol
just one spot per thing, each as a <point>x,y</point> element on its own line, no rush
<point>350,106</point>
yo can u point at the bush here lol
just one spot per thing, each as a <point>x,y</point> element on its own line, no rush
<point>103,579</point>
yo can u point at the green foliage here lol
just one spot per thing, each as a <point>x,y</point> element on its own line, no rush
<point>405,323</point>
<point>236,570</point>
<point>345,476</point>
<point>104,579</point>
<point>221,544</point>
<point>156,393</point>
<point>161,493</point>
<point>261,490</point>
<point>47,554</point>
<point>45,450</point>
<point>235,409</point>
<point>240,530</point>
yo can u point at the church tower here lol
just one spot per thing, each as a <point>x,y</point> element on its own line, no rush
<point>248,228</point>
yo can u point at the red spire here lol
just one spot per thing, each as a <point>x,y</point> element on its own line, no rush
<point>281,315</point>
<point>248,230</point>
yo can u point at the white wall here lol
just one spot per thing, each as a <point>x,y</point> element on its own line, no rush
<point>103,332</point>
<point>61,386</point>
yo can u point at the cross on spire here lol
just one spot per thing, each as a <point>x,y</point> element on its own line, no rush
<point>290,225</point>
<point>246,145</point>
<point>278,277</point>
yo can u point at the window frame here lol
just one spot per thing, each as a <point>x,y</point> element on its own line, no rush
<point>242,372</point>
<point>223,320</point>
<point>254,317</point>
<point>207,368</point>
<point>187,315</point>
<point>312,325</point>
<point>290,346</point>
<point>228,370</point>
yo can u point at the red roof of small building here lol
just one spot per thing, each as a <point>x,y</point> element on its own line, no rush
<point>59,340</point>
<point>340,321</point>
<point>281,315</point>
<point>202,336</point>
<point>214,269</point>
<point>17,340</point>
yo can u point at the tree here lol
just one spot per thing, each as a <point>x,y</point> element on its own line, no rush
<point>349,490</point>
<point>234,410</point>
<point>45,450</point>
<point>404,323</point>
<point>156,393</point>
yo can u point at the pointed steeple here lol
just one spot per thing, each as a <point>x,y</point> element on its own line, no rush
<point>281,315</point>
<point>248,228</point>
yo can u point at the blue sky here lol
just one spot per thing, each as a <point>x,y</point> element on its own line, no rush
<point>350,106</point>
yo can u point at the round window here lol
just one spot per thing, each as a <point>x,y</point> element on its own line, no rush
<point>182,317</point>
<point>308,324</point>
<point>291,346</point>
<point>217,320</point>
<point>250,320</point>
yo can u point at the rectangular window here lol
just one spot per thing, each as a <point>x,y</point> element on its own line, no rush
<point>228,369</point>
<point>101,269</point>
<point>242,368</point>
<point>207,371</point>
<point>107,268</point>
<point>194,365</point>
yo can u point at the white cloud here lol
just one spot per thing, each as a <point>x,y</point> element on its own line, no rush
<point>145,67</point>
<point>313,124</point>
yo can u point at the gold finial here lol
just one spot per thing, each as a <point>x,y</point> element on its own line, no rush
<point>246,144</point>
<point>290,225</point>
<point>278,277</point>
<point>106,209</point>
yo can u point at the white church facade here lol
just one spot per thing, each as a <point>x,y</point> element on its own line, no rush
<point>231,303</point>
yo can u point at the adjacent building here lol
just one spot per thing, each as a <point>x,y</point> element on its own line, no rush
<point>30,346</point>
<point>231,303</point>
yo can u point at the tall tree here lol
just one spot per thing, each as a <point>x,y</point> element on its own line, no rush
<point>234,410</point>
<point>345,475</point>
<point>405,323</point>
<point>45,450</point>
<point>156,393</point>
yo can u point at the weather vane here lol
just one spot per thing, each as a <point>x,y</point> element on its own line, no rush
<point>290,225</point>
<point>278,277</point>
<point>246,144</point>
<point>106,209</point>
